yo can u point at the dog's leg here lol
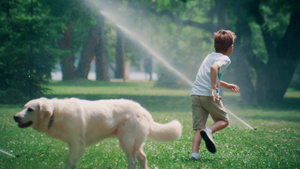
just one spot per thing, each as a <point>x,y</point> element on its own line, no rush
<point>141,156</point>
<point>139,146</point>
<point>131,161</point>
<point>128,146</point>
<point>130,156</point>
<point>75,152</point>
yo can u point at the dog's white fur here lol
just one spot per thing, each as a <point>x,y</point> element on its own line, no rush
<point>81,123</point>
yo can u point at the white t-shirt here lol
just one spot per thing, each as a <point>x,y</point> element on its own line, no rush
<point>202,84</point>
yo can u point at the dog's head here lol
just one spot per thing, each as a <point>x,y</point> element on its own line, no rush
<point>36,113</point>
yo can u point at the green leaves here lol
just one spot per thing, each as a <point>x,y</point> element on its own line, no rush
<point>27,58</point>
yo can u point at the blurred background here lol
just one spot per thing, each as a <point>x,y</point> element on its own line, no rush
<point>159,40</point>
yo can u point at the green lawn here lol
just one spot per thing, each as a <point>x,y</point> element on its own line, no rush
<point>275,143</point>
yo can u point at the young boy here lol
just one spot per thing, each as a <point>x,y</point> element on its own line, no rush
<point>205,92</point>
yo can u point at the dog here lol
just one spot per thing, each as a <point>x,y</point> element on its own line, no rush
<point>81,123</point>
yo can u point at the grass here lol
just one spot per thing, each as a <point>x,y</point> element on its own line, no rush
<point>274,145</point>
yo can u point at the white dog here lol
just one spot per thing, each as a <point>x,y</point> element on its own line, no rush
<point>81,123</point>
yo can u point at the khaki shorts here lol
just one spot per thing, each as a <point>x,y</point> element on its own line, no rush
<point>202,106</point>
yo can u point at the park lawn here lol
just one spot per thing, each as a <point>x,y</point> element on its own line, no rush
<point>275,143</point>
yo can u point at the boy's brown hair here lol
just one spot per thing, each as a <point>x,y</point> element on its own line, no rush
<point>223,40</point>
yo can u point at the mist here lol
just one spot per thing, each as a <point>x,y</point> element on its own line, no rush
<point>153,37</point>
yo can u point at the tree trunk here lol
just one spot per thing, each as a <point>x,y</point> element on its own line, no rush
<point>120,58</point>
<point>242,75</point>
<point>242,51</point>
<point>87,53</point>
<point>273,82</point>
<point>101,67</point>
<point>67,61</point>
<point>220,8</point>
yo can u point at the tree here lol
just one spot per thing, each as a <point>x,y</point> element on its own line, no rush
<point>275,71</point>
<point>263,54</point>
<point>81,39</point>
<point>101,53</point>
<point>87,52</point>
<point>27,50</point>
<point>67,59</point>
<point>65,10</point>
<point>120,57</point>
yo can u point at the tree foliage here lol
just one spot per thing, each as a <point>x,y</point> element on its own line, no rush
<point>266,45</point>
<point>265,51</point>
<point>27,49</point>
<point>35,32</point>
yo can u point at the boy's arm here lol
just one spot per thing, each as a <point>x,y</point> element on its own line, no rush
<point>230,86</point>
<point>213,77</point>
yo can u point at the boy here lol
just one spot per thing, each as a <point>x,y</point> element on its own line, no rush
<point>205,92</point>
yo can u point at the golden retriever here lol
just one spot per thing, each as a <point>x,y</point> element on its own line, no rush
<point>81,123</point>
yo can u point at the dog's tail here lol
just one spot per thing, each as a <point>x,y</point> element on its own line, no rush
<point>165,132</point>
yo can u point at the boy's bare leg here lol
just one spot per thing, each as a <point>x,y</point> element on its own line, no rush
<point>207,134</point>
<point>219,125</point>
<point>196,141</point>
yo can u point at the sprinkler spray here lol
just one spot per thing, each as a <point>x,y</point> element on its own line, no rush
<point>242,121</point>
<point>9,154</point>
<point>137,38</point>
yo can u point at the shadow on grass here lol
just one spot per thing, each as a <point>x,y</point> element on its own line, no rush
<point>187,159</point>
<point>278,118</point>
<point>286,104</point>
<point>163,104</point>
<point>287,110</point>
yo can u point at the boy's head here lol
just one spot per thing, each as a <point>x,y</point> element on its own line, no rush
<point>224,39</point>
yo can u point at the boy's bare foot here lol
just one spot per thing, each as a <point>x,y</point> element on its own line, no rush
<point>207,137</point>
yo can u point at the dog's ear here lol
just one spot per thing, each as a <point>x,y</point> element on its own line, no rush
<point>46,109</point>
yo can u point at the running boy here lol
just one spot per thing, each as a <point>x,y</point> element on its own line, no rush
<point>205,92</point>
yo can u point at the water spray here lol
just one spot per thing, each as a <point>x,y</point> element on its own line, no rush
<point>9,154</point>
<point>132,35</point>
<point>242,121</point>
<point>147,47</point>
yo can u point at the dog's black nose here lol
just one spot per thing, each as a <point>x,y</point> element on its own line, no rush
<point>16,118</point>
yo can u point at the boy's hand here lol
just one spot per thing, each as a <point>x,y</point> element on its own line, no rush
<point>214,94</point>
<point>233,87</point>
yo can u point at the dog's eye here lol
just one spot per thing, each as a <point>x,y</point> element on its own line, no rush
<point>30,109</point>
